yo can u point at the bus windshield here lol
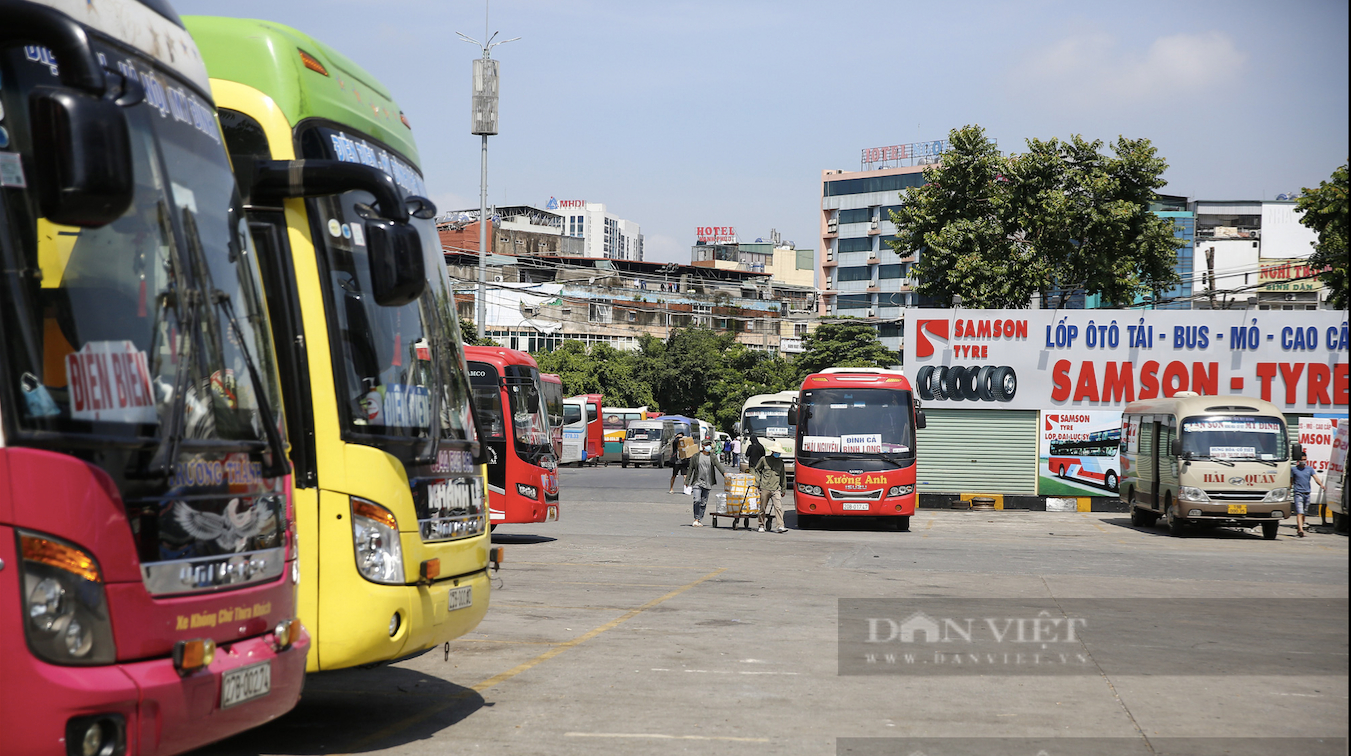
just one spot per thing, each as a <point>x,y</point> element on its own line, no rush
<point>530,424</point>
<point>856,422</point>
<point>1235,437</point>
<point>767,422</point>
<point>389,359</point>
<point>644,434</point>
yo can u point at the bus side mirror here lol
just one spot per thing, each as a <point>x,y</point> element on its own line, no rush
<point>1296,451</point>
<point>1175,448</point>
<point>792,415</point>
<point>736,427</point>
<point>271,180</point>
<point>920,422</point>
<point>532,402</point>
<point>397,265</point>
<point>82,157</point>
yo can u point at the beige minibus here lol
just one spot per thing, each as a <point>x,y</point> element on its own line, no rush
<point>1204,461</point>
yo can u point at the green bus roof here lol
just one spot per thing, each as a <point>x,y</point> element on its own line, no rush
<point>267,56</point>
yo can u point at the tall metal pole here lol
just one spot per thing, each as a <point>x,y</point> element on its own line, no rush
<point>483,238</point>
<point>484,124</point>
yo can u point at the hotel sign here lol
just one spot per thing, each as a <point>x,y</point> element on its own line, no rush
<point>901,154</point>
<point>716,234</point>
<point>1281,275</point>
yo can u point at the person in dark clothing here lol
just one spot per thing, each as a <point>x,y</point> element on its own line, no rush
<point>678,466</point>
<point>754,453</point>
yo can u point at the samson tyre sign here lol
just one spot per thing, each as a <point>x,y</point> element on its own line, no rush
<point>1102,359</point>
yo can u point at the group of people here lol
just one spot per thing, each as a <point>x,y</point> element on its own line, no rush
<point>700,474</point>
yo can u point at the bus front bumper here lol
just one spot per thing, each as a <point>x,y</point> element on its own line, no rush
<point>1247,514</point>
<point>148,704</point>
<point>902,506</point>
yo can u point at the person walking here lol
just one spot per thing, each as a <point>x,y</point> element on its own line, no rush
<point>772,480</point>
<point>754,452</point>
<point>701,478</point>
<point>736,451</point>
<point>678,466</point>
<point>727,451</point>
<point>1300,475</point>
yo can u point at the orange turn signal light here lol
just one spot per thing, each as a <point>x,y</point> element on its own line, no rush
<point>61,556</point>
<point>312,62</point>
<point>192,655</point>
<point>496,555</point>
<point>372,511</point>
<point>430,569</point>
<point>285,633</point>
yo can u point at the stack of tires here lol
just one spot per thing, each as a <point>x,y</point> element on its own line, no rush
<point>978,383</point>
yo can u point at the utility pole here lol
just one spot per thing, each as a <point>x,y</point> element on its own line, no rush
<point>483,123</point>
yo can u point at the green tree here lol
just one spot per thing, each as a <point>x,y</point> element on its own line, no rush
<point>601,370</point>
<point>1324,211</point>
<point>469,334</point>
<point>842,345</point>
<point>1063,218</point>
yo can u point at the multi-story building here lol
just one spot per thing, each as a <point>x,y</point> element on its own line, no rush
<point>1180,212</point>
<point>861,275</point>
<point>516,230</point>
<point>1251,253</point>
<point>603,234</point>
<point>536,302</point>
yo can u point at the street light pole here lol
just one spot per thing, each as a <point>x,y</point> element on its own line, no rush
<point>483,123</point>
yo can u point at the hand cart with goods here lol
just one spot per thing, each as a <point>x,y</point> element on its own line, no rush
<point>740,500</point>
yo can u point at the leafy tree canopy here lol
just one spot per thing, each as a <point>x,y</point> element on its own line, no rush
<point>469,333</point>
<point>1325,212</point>
<point>842,345</point>
<point>1062,217</point>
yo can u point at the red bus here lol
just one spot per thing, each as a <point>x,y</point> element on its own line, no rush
<point>855,445</point>
<point>145,494</point>
<point>583,430</point>
<point>522,470</point>
<point>553,407</point>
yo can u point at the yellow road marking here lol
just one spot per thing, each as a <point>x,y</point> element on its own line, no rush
<point>517,643</point>
<point>496,605</point>
<point>1093,521</point>
<point>589,582</point>
<point>929,526</point>
<point>659,736</point>
<point>497,679</point>
<point>608,564</point>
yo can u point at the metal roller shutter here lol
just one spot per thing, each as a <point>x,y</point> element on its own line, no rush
<point>978,450</point>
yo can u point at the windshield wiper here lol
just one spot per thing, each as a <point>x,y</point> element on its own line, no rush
<point>161,463</point>
<point>1218,460</point>
<point>279,465</point>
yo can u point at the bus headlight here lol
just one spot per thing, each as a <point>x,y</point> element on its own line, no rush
<point>375,538</point>
<point>529,492</point>
<point>900,490</point>
<point>1192,493</point>
<point>1277,494</point>
<point>810,490</point>
<point>64,603</point>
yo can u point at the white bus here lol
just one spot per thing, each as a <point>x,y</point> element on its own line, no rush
<point>765,416</point>
<point>1206,461</point>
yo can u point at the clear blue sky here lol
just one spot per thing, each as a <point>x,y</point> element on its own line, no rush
<point>682,114</point>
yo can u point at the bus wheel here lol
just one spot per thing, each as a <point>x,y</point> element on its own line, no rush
<point>1062,472</point>
<point>1269,530</point>
<point>1112,482</point>
<point>902,524</point>
<point>624,465</point>
<point>1175,523</point>
<point>1137,518</point>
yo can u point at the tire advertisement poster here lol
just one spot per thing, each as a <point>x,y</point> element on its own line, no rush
<point>1079,454</point>
<point>1087,360</point>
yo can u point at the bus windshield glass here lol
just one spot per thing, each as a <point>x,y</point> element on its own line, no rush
<point>856,422</point>
<point>644,434</point>
<point>1235,438</point>
<point>530,424</point>
<point>388,360</point>
<point>109,328</point>
<point>767,422</point>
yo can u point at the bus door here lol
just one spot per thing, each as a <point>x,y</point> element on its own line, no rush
<point>486,384</point>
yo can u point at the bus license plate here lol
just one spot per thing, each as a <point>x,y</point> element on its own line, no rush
<point>856,506</point>
<point>245,684</point>
<point>1238,509</point>
<point>460,598</point>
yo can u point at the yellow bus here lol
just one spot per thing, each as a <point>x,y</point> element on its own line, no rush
<point>389,481</point>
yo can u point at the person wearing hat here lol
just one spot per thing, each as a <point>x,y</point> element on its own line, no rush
<point>702,477</point>
<point>772,480</point>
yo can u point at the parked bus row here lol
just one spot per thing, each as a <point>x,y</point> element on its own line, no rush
<point>229,359</point>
